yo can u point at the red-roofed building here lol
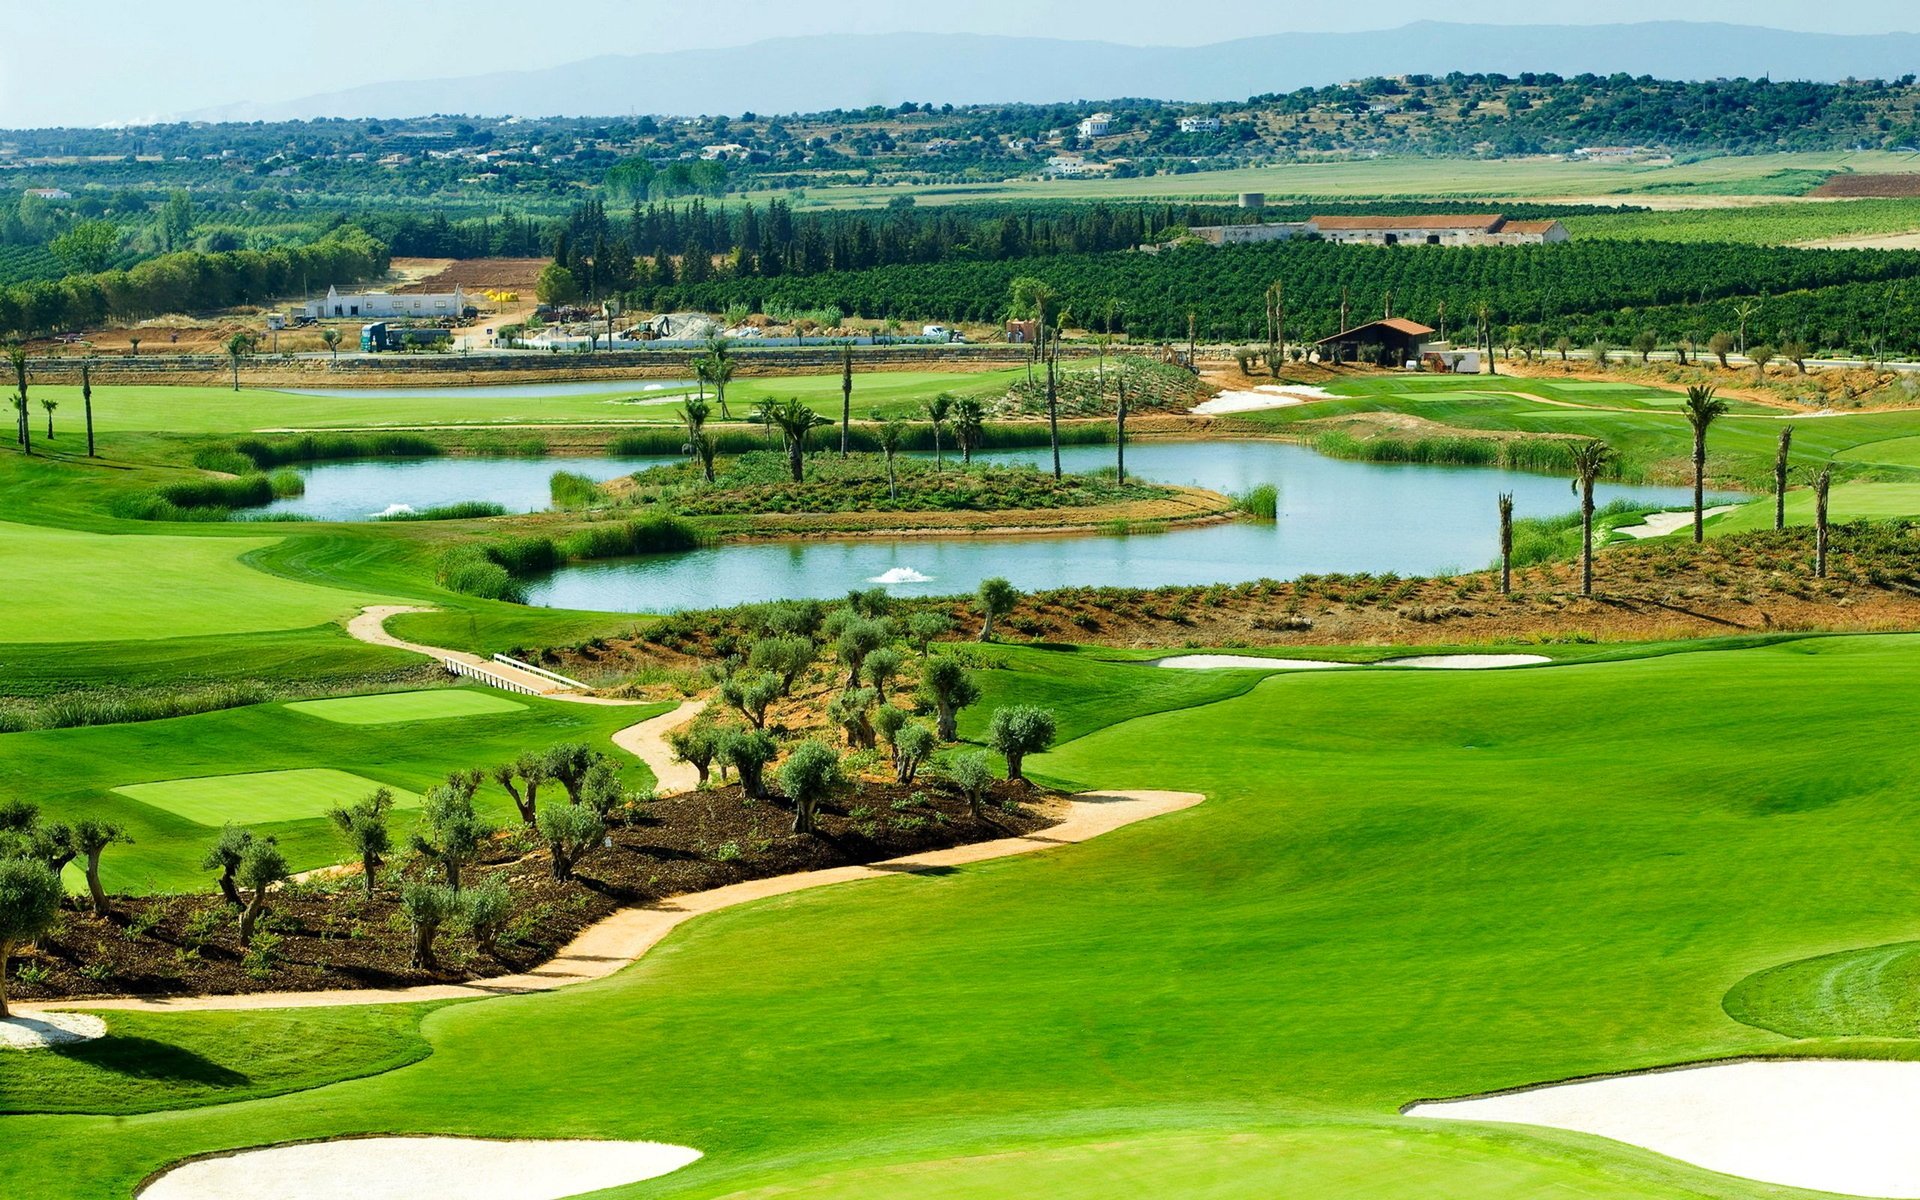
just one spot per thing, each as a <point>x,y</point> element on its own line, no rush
<point>1489,229</point>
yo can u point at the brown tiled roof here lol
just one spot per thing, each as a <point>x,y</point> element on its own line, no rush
<point>1528,226</point>
<point>1397,324</point>
<point>1484,223</point>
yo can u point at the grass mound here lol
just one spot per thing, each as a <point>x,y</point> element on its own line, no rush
<point>392,708</point>
<point>1873,992</point>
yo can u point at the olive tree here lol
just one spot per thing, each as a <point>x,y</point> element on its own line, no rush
<point>29,903</point>
<point>427,906</point>
<point>882,666</point>
<point>859,638</point>
<point>748,751</point>
<point>912,747</point>
<point>225,856</point>
<point>810,776</point>
<point>364,828</point>
<point>973,774</point>
<point>853,712</point>
<point>995,599</point>
<point>570,832</point>
<point>753,694</point>
<point>91,837</point>
<point>570,764</point>
<point>946,688</point>
<point>924,628</point>
<point>261,870</point>
<point>451,833</point>
<point>787,656</point>
<point>485,910</point>
<point>1017,731</point>
<point>522,779</point>
<point>696,744</point>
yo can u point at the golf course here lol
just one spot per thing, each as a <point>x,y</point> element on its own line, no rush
<point>1098,889</point>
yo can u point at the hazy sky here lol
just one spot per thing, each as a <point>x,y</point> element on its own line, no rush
<point>116,60</point>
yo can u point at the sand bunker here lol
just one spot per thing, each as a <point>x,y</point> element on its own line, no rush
<point>419,1168</point>
<point>1467,662</point>
<point>1661,524</point>
<point>37,1031</point>
<point>1215,662</point>
<point>1829,1126</point>
<point>1262,397</point>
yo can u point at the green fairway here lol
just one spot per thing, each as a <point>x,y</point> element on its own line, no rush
<point>394,707</point>
<point>1848,502</point>
<point>168,781</point>
<point>85,587</point>
<point>1402,885</point>
<point>259,797</point>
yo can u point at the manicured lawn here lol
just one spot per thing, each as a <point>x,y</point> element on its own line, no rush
<point>1402,885</point>
<point>1848,502</point>
<point>208,769</point>
<point>82,587</point>
<point>395,707</point>
<point>149,1062</point>
<point>259,797</point>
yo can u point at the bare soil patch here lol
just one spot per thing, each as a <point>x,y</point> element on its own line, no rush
<point>1848,186</point>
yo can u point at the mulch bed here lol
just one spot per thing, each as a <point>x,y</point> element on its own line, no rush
<point>333,936</point>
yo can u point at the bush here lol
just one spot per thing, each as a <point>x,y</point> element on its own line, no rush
<point>569,490</point>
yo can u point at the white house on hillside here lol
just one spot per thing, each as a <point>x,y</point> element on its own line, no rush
<point>445,305</point>
<point>1199,124</point>
<point>1097,125</point>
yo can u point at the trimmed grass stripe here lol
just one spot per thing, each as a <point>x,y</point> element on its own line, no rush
<point>392,708</point>
<point>261,796</point>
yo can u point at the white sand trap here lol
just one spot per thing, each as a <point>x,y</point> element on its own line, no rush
<point>1830,1126</point>
<point>1262,397</point>
<point>1467,662</point>
<point>1661,524</point>
<point>37,1031</point>
<point>419,1168</point>
<point>1215,662</point>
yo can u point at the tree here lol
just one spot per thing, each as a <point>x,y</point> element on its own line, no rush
<point>557,286</point>
<point>570,831</point>
<point>364,828</point>
<point>1589,460</point>
<point>1053,401</point>
<point>263,869</point>
<point>87,247</point>
<point>1761,355</point>
<point>972,773</point>
<point>1703,408</point>
<point>946,688</point>
<point>176,220</point>
<point>570,764</point>
<point>882,666</point>
<point>996,598</point>
<point>1795,352</point>
<point>133,346</point>
<point>17,356</point>
<point>1506,543</point>
<point>696,743</point>
<point>330,338</point>
<point>796,421</point>
<point>852,711</point>
<point>811,775</point>
<point>238,347</point>
<point>1120,434</point>
<point>86,398</point>
<point>225,856</point>
<point>1644,343</point>
<point>49,406</point>
<point>1598,353</point>
<point>427,906</point>
<point>522,779</point>
<point>91,837</point>
<point>1780,477</point>
<point>846,397</point>
<point>1018,730</point>
<point>859,638</point>
<point>30,897</point>
<point>451,833</point>
<point>748,751</point>
<point>693,415</point>
<point>912,747</point>
<point>926,626</point>
<point>939,411</point>
<point>890,435</point>
<point>752,693</point>
<point>969,426</point>
<point>1822,485</point>
<point>485,910</point>
<point>1745,311</point>
<point>720,369</point>
<point>1564,345</point>
<point>787,656</point>
<point>1720,345</point>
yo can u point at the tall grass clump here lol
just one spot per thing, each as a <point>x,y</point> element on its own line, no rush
<point>1262,503</point>
<point>467,570</point>
<point>286,484</point>
<point>224,459</point>
<point>313,447</point>
<point>570,490</point>
<point>526,554</point>
<point>1546,455</point>
<point>1547,539</point>
<point>655,533</point>
<point>464,510</point>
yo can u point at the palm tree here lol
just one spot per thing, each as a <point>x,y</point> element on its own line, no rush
<point>846,397</point>
<point>890,435</point>
<point>237,348</point>
<point>763,412</point>
<point>1822,484</point>
<point>1745,311</point>
<point>939,409</point>
<point>134,345</point>
<point>693,414</point>
<point>1053,403</point>
<point>1780,478</point>
<point>49,406</point>
<point>720,371</point>
<point>17,355</point>
<point>1506,543</point>
<point>969,422</point>
<point>1590,459</point>
<point>796,421</point>
<point>1120,434</point>
<point>86,398</point>
<point>330,338</point>
<point>1703,408</point>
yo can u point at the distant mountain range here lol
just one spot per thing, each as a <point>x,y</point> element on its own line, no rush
<point>806,74</point>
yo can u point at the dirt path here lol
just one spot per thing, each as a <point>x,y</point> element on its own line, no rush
<point>627,935</point>
<point>646,741</point>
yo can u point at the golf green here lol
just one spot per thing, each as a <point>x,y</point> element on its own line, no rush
<point>392,708</point>
<point>259,796</point>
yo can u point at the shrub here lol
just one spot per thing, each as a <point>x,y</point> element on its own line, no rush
<point>1017,731</point>
<point>569,490</point>
<point>810,776</point>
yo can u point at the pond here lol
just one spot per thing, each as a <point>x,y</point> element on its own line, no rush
<point>504,391</point>
<point>362,490</point>
<point>1334,516</point>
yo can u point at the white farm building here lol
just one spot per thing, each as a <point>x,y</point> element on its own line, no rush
<point>443,305</point>
<point>1487,230</point>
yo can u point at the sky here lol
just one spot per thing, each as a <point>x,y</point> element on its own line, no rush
<point>108,61</point>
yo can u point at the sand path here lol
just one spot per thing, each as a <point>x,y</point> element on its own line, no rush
<point>624,937</point>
